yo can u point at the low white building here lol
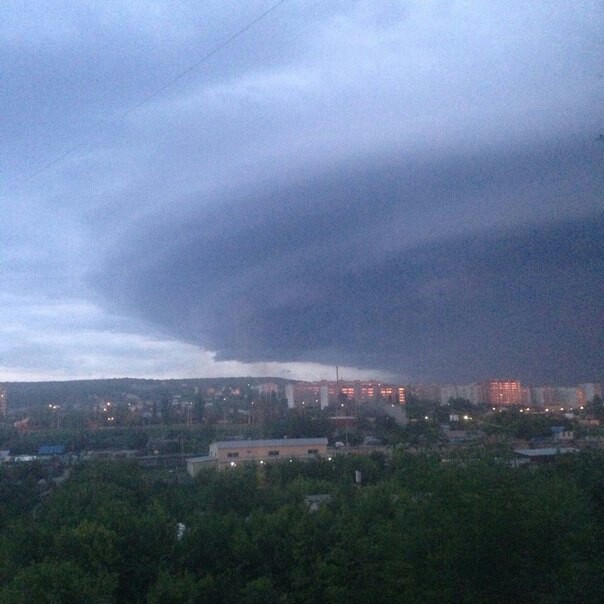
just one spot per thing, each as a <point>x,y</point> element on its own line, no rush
<point>229,453</point>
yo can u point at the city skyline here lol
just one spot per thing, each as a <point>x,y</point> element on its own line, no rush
<point>413,192</point>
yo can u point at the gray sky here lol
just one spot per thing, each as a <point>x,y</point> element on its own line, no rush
<point>403,188</point>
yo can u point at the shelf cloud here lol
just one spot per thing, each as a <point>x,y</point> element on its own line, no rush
<point>407,187</point>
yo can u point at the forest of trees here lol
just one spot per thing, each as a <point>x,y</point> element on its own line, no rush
<point>416,530</point>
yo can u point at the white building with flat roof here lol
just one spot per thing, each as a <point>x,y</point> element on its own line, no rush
<point>229,453</point>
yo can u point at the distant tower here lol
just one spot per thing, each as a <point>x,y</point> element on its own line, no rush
<point>289,394</point>
<point>3,403</point>
<point>324,396</point>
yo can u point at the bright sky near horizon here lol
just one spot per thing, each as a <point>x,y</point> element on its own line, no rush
<point>404,188</point>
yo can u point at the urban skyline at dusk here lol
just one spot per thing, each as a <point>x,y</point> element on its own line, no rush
<point>411,191</point>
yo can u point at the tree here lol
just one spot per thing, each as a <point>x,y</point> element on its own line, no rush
<point>181,588</point>
<point>596,407</point>
<point>198,409</point>
<point>57,582</point>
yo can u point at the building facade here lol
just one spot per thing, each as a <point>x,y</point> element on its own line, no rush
<point>471,392</point>
<point>503,392</point>
<point>230,453</point>
<point>590,391</point>
<point>554,396</point>
<point>322,394</point>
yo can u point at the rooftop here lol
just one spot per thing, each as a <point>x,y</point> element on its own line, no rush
<point>275,442</point>
<point>545,452</point>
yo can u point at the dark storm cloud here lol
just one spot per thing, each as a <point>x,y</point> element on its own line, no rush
<point>346,182</point>
<point>418,269</point>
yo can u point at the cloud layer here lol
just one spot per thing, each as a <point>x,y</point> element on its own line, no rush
<point>414,187</point>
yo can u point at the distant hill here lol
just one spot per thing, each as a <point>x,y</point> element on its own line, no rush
<point>82,392</point>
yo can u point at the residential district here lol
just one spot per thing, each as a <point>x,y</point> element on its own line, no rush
<point>254,490</point>
<point>224,422</point>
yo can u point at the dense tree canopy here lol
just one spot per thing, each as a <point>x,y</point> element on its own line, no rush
<point>416,530</point>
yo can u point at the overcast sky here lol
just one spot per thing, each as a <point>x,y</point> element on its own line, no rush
<point>408,189</point>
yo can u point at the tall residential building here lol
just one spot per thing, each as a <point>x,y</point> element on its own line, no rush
<point>289,395</point>
<point>553,396</point>
<point>324,395</point>
<point>503,392</point>
<point>349,392</point>
<point>363,392</point>
<point>268,388</point>
<point>471,392</point>
<point>527,397</point>
<point>306,394</point>
<point>591,390</point>
<point>425,392</point>
<point>3,402</point>
<point>321,394</point>
<point>401,395</point>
